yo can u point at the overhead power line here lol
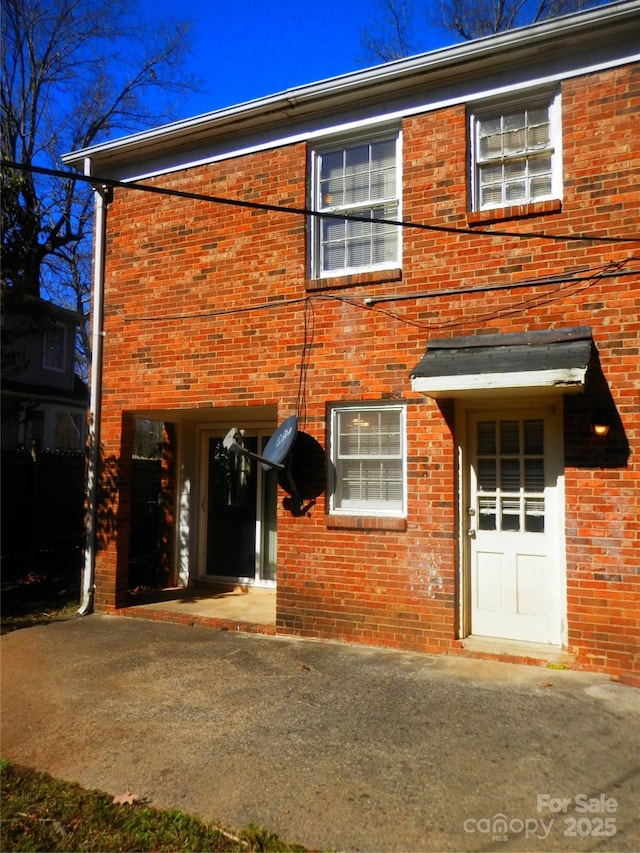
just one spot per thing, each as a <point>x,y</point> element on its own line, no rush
<point>96,181</point>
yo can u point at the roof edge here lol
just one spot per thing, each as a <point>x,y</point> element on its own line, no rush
<point>341,89</point>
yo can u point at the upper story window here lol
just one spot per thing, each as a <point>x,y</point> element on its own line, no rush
<point>362,179</point>
<point>516,156</point>
<point>368,460</point>
<point>55,339</point>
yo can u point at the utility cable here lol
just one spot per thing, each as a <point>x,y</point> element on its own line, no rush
<point>303,211</point>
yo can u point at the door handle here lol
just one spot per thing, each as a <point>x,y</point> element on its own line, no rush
<point>471,532</point>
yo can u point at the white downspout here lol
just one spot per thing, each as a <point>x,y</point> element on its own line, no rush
<point>95,397</point>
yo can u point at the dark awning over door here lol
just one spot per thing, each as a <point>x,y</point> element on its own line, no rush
<point>551,360</point>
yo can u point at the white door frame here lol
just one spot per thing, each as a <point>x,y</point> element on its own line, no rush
<point>464,407</point>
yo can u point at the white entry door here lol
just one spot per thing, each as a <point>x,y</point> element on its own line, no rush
<point>513,525</point>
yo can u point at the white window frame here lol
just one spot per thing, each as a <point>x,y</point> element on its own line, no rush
<point>549,98</point>
<point>45,349</point>
<point>394,200</point>
<point>338,506</point>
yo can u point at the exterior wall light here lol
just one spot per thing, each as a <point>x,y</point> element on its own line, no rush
<point>600,429</point>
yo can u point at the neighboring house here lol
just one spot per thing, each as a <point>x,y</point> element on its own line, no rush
<point>44,425</point>
<point>466,384</point>
<point>44,403</point>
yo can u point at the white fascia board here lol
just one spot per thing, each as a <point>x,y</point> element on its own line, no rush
<point>565,380</point>
<point>388,113</point>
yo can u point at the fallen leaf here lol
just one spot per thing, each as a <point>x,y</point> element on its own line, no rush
<point>126,799</point>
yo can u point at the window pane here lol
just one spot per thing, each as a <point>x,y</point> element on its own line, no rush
<point>53,353</point>
<point>359,253</point>
<point>540,186</point>
<point>356,188</point>
<point>540,166</point>
<point>490,196</point>
<point>516,170</point>
<point>515,142</point>
<point>515,121</point>
<point>516,191</point>
<point>67,431</point>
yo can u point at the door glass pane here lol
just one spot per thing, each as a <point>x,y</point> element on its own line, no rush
<point>269,530</point>
<point>509,437</point>
<point>534,515</point>
<point>534,436</point>
<point>511,514</point>
<point>487,479</point>
<point>231,512</point>
<point>510,475</point>
<point>487,513</point>
<point>486,437</point>
<point>534,475</point>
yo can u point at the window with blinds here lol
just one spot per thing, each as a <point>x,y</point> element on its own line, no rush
<point>516,156</point>
<point>359,180</point>
<point>368,460</point>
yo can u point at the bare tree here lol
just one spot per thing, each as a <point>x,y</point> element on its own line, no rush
<point>390,36</point>
<point>401,26</point>
<point>74,72</point>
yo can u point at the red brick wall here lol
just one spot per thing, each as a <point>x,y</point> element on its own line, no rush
<point>205,304</point>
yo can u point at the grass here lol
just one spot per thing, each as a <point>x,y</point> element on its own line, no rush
<point>38,596</point>
<point>44,814</point>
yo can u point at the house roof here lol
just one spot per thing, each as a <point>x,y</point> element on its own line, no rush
<point>603,36</point>
<point>556,359</point>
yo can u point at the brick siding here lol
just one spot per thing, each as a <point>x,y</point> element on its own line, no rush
<point>205,305</point>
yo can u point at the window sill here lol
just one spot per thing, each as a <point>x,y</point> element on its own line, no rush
<point>516,211</point>
<point>353,279</point>
<point>365,522</point>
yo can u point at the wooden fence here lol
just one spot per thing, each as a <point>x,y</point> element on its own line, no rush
<point>42,509</point>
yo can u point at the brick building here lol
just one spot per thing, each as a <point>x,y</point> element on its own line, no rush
<point>465,383</point>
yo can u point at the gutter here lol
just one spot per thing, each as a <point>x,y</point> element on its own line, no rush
<point>101,199</point>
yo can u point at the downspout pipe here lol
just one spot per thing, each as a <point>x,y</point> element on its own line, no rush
<point>101,199</point>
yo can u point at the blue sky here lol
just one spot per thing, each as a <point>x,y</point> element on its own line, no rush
<point>245,49</point>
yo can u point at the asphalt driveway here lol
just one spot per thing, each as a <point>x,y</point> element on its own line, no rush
<point>332,746</point>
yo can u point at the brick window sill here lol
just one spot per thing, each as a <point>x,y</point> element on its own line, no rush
<point>365,522</point>
<point>374,277</point>
<point>516,211</point>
